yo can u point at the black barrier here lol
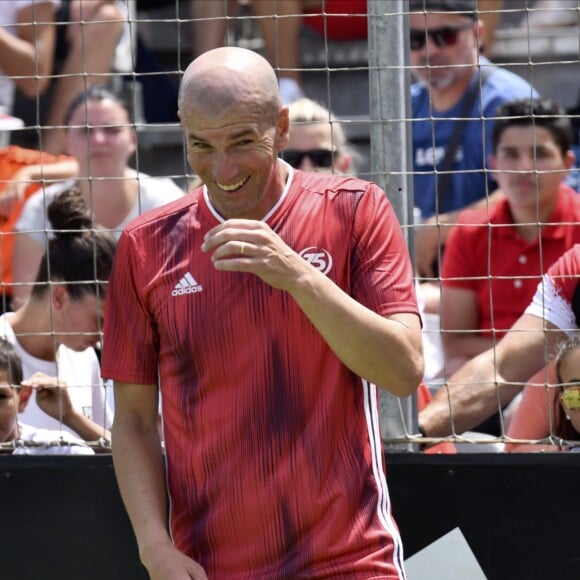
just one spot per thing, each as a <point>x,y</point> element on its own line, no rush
<point>518,512</point>
<point>62,517</point>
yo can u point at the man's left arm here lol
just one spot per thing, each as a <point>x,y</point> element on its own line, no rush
<point>384,350</point>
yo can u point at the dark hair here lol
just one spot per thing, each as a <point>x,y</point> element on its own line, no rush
<point>80,254</point>
<point>10,362</point>
<point>562,427</point>
<point>543,113</point>
<point>95,93</point>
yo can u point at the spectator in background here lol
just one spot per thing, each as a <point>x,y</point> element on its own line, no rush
<point>21,173</point>
<point>27,40</point>
<point>317,141</point>
<point>280,23</point>
<point>101,138</point>
<point>495,256</point>
<point>568,376</point>
<point>445,40</point>
<point>14,396</point>
<point>550,404</point>
<point>54,332</point>
<point>210,25</point>
<point>87,38</point>
<point>489,381</point>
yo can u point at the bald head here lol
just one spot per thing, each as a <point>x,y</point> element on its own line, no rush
<point>229,77</point>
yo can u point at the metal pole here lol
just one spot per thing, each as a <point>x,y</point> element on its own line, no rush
<point>391,150</point>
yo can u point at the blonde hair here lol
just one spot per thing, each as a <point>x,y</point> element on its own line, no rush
<point>307,111</point>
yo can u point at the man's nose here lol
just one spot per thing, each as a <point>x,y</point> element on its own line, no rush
<point>224,167</point>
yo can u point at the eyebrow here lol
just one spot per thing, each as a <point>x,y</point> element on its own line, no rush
<point>534,147</point>
<point>232,137</point>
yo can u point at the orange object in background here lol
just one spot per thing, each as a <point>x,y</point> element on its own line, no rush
<point>12,159</point>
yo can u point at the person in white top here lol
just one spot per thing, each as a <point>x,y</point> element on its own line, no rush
<point>16,437</point>
<point>102,140</point>
<point>56,329</point>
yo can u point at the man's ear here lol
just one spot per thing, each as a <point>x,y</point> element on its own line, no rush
<point>24,394</point>
<point>283,127</point>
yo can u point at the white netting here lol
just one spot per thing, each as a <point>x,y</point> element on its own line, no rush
<point>365,84</point>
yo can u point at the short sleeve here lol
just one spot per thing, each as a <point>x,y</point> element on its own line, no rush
<point>382,273</point>
<point>130,340</point>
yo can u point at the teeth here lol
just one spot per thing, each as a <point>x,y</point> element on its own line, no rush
<point>233,186</point>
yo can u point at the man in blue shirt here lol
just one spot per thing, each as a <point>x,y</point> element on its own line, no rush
<point>455,81</point>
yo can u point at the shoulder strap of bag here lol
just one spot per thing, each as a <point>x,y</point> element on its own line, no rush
<point>444,175</point>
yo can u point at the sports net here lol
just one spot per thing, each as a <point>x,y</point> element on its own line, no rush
<point>363,74</point>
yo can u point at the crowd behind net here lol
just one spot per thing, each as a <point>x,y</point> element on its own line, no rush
<point>365,83</point>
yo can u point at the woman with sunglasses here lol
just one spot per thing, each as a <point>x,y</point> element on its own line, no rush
<point>552,412</point>
<point>455,82</point>
<point>317,141</point>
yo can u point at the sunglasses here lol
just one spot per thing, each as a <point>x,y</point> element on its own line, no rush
<point>441,37</point>
<point>318,157</point>
<point>570,398</point>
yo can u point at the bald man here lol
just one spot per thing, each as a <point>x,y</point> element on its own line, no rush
<point>265,307</point>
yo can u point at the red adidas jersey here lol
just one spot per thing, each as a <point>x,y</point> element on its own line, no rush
<point>557,298</point>
<point>274,455</point>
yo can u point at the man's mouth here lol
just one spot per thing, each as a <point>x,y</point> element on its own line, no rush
<point>233,186</point>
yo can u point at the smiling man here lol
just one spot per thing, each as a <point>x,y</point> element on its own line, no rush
<point>303,303</point>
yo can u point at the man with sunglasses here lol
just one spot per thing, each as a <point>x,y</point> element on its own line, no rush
<point>455,82</point>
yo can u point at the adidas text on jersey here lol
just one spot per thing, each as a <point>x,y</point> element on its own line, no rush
<point>187,285</point>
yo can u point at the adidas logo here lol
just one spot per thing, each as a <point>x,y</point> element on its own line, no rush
<point>187,285</point>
